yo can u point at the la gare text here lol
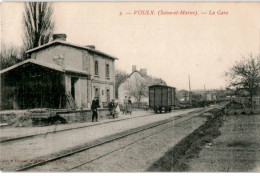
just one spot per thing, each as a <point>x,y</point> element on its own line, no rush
<point>175,12</point>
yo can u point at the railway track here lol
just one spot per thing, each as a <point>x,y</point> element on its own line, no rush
<point>41,163</point>
<point>70,129</point>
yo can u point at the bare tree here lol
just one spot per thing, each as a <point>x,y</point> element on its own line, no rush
<point>245,75</point>
<point>10,55</point>
<point>38,24</point>
<point>139,89</point>
<point>120,76</point>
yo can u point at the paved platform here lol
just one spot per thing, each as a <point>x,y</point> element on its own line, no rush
<point>8,133</point>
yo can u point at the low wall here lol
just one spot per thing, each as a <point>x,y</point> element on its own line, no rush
<point>83,115</point>
<point>16,118</point>
<point>22,118</point>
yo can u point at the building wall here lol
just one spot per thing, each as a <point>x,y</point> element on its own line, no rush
<point>102,61</point>
<point>60,55</point>
<point>100,81</point>
<point>81,91</point>
<point>84,93</point>
<point>103,94</point>
<point>84,61</point>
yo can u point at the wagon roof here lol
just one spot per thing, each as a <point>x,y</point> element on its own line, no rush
<point>161,86</point>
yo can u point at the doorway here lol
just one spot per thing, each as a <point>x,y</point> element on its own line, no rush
<point>108,95</point>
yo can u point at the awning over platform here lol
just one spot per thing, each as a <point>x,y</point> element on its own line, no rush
<point>50,66</point>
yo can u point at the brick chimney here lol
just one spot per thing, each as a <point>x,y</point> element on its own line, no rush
<point>143,71</point>
<point>59,37</point>
<point>133,68</point>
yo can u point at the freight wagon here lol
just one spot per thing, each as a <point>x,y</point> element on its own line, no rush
<point>162,98</point>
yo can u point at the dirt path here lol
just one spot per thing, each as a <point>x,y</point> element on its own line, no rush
<point>236,150</point>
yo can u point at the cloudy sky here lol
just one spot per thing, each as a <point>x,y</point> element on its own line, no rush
<point>169,46</point>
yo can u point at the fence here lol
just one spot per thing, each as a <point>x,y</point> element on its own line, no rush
<point>246,102</point>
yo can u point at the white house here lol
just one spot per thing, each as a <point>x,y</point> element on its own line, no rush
<point>135,84</point>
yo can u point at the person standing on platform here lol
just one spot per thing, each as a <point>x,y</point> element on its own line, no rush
<point>129,108</point>
<point>94,106</point>
<point>117,108</point>
<point>112,108</point>
<point>125,101</point>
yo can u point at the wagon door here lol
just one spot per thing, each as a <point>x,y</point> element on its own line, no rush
<point>158,96</point>
<point>164,96</point>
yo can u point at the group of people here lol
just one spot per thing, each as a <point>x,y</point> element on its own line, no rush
<point>113,108</point>
<point>127,107</point>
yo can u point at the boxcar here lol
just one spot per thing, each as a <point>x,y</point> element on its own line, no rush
<point>161,98</point>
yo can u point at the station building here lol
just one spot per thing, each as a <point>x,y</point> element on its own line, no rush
<point>59,75</point>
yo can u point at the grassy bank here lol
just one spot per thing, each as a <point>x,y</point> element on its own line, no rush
<point>176,159</point>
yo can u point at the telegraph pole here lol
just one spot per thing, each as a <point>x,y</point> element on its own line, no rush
<point>190,91</point>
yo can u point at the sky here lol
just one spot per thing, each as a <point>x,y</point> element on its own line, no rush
<point>200,44</point>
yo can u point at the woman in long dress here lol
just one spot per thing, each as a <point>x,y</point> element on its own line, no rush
<point>125,105</point>
<point>117,109</point>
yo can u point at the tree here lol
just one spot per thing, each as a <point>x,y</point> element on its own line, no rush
<point>120,76</point>
<point>38,24</point>
<point>245,75</point>
<point>139,89</point>
<point>10,55</point>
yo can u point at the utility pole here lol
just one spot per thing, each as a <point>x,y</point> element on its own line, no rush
<point>190,96</point>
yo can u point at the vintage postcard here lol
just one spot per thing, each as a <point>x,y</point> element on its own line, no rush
<point>130,87</point>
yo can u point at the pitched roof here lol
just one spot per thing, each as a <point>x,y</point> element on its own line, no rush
<point>143,75</point>
<point>43,64</point>
<point>60,42</point>
<point>123,80</point>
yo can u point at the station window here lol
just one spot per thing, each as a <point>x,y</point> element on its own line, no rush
<point>107,70</point>
<point>96,67</point>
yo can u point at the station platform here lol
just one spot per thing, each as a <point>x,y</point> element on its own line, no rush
<point>10,133</point>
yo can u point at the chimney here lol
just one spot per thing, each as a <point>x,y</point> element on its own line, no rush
<point>91,46</point>
<point>143,71</point>
<point>133,68</point>
<point>59,37</point>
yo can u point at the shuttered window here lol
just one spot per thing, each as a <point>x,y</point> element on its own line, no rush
<point>96,67</point>
<point>107,70</point>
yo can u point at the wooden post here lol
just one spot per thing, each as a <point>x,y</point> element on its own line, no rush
<point>190,96</point>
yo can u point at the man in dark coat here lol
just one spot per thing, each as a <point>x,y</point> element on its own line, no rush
<point>112,107</point>
<point>94,106</point>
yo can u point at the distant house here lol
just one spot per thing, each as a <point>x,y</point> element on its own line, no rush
<point>59,75</point>
<point>137,84</point>
<point>183,95</point>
